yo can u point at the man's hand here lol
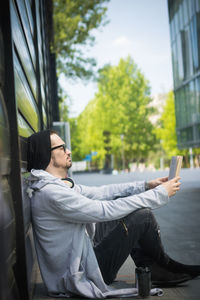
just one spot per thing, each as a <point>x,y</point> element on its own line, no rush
<point>154,183</point>
<point>172,186</point>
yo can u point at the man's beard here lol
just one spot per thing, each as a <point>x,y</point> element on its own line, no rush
<point>69,166</point>
<point>66,167</point>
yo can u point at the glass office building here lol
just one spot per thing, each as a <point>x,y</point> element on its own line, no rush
<point>184,19</point>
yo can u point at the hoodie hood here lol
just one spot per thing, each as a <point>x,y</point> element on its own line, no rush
<point>38,179</point>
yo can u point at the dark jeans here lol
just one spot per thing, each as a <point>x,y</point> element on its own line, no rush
<point>113,243</point>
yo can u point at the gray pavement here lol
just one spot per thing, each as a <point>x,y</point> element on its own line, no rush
<point>179,222</point>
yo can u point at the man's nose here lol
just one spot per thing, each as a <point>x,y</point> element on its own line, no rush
<point>68,152</point>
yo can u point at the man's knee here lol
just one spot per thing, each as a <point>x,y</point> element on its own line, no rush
<point>141,212</point>
<point>140,216</point>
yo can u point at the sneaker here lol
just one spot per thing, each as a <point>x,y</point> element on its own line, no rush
<point>163,278</point>
<point>175,266</point>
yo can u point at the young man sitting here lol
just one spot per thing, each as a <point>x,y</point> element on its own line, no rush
<point>71,258</point>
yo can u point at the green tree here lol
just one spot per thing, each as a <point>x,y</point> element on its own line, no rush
<point>167,132</point>
<point>75,140</point>
<point>90,134</point>
<point>74,22</point>
<point>121,106</point>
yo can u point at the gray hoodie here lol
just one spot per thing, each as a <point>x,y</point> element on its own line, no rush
<point>63,224</point>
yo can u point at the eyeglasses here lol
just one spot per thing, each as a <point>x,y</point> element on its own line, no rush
<point>60,146</point>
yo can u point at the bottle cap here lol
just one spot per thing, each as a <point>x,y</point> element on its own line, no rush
<point>142,269</point>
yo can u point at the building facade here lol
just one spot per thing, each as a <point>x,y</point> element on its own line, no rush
<point>184,20</point>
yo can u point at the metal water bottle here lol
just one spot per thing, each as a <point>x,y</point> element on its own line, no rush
<point>143,281</point>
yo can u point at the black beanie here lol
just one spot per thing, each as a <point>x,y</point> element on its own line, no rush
<point>39,150</point>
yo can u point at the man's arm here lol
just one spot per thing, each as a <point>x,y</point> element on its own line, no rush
<point>73,207</point>
<point>111,191</point>
<point>155,182</point>
<point>70,206</point>
<point>114,191</point>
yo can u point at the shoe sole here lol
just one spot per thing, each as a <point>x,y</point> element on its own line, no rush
<point>170,283</point>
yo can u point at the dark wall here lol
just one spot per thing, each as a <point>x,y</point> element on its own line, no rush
<point>8,287</point>
<point>27,99</point>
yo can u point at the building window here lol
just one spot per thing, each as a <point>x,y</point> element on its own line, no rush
<point>185,10</point>
<point>192,103</point>
<point>182,107</point>
<point>198,37</point>
<point>175,64</point>
<point>181,15</point>
<point>197,5</point>
<point>194,42</point>
<point>178,105</point>
<point>187,54</point>
<point>180,59</point>
<point>191,8</point>
<point>197,88</point>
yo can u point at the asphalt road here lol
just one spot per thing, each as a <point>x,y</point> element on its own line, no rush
<point>179,221</point>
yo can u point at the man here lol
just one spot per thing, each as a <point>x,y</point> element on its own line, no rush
<point>71,260</point>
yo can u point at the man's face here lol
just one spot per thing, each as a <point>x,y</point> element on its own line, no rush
<point>60,158</point>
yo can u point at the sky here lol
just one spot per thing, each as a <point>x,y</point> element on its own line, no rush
<point>139,28</point>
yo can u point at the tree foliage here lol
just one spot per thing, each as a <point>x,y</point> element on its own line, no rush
<point>75,140</point>
<point>167,131</point>
<point>121,107</point>
<point>73,24</point>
